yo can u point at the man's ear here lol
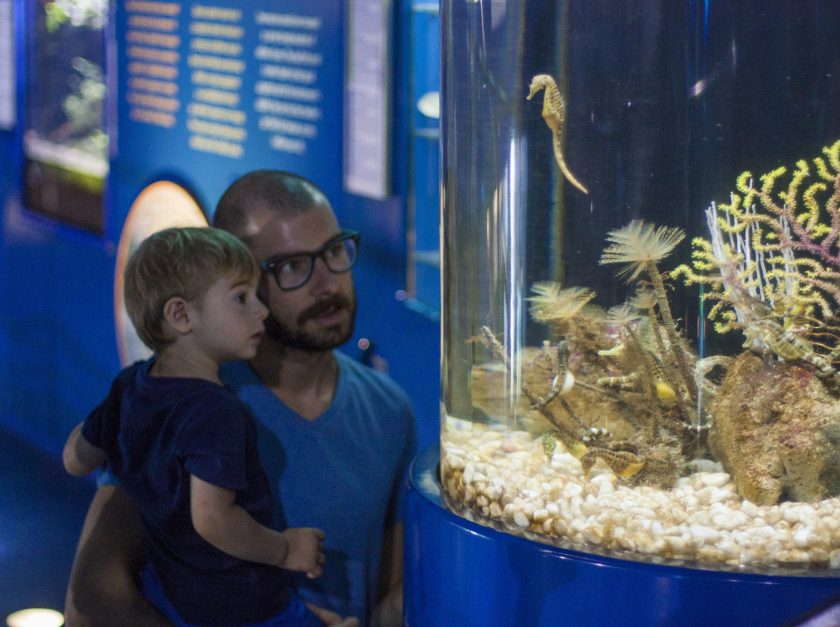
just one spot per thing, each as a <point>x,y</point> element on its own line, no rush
<point>176,313</point>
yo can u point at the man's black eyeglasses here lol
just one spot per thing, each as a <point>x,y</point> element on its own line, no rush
<point>293,271</point>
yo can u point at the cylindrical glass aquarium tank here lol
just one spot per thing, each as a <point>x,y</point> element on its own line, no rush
<point>641,277</point>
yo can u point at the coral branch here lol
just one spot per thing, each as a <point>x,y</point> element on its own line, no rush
<point>772,256</point>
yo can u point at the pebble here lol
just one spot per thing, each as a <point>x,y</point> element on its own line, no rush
<point>715,479</point>
<point>508,478</point>
<point>802,537</point>
<point>572,490</point>
<point>707,534</point>
<point>469,473</point>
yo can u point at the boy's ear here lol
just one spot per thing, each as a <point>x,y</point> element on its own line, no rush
<point>176,313</point>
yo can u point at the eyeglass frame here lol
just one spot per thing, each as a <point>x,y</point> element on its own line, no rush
<point>270,264</point>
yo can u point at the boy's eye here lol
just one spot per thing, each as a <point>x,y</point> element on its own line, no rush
<point>241,297</point>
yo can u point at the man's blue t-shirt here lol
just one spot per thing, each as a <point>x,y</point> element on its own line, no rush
<point>342,472</point>
<point>156,432</point>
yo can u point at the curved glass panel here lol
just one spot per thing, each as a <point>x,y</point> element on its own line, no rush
<point>641,215</point>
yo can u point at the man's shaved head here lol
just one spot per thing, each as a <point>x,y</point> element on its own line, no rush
<point>266,191</point>
<point>278,213</point>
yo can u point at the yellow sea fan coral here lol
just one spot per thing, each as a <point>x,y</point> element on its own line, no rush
<point>774,249</point>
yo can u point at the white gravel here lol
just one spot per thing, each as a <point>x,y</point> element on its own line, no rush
<point>506,476</point>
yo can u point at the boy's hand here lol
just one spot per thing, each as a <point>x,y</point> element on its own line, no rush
<point>305,551</point>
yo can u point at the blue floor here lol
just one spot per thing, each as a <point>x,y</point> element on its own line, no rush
<point>41,513</point>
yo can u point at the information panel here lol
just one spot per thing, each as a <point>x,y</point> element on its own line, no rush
<point>230,86</point>
<point>7,66</point>
<point>368,91</point>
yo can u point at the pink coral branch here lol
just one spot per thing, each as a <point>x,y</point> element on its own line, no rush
<point>831,208</point>
<point>787,213</point>
<point>802,239</point>
<point>812,247</point>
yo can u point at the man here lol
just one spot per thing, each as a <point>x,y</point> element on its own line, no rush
<point>329,427</point>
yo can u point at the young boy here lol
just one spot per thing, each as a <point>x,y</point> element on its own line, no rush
<point>184,447</point>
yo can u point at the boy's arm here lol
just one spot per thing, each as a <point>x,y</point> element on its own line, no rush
<point>224,524</point>
<point>103,589</point>
<point>389,606</point>
<point>80,456</point>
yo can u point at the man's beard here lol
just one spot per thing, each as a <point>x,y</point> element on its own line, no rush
<point>300,339</point>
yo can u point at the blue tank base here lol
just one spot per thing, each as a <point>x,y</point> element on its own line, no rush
<point>462,573</point>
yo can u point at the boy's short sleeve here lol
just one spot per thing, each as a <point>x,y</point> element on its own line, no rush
<point>215,441</point>
<point>101,425</point>
<point>92,428</point>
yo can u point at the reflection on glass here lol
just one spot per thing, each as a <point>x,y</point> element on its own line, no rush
<point>65,143</point>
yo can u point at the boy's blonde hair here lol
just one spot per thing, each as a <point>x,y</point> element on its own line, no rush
<point>181,261</point>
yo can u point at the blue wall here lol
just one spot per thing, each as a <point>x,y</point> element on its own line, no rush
<point>57,335</point>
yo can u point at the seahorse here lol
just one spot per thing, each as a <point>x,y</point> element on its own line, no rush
<point>554,114</point>
<point>790,347</point>
<point>623,463</point>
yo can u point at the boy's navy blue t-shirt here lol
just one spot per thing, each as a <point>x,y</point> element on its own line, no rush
<point>156,432</point>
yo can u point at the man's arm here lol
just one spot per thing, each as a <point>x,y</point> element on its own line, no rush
<point>103,589</point>
<point>389,606</point>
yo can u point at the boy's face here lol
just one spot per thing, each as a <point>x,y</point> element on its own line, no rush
<point>320,314</point>
<point>228,320</point>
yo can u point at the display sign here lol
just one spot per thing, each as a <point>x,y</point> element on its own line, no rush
<point>232,85</point>
<point>7,66</point>
<point>367,134</point>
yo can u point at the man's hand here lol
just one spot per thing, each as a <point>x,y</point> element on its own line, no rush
<point>389,607</point>
<point>331,618</point>
<point>388,612</point>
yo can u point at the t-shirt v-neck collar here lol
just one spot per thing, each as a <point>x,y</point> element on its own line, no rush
<point>253,380</point>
